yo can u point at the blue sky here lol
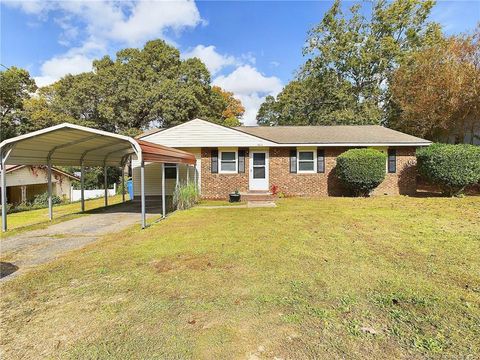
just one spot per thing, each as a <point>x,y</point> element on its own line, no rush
<point>252,48</point>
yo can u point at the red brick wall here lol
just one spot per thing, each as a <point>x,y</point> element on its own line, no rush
<point>292,184</point>
<point>404,181</point>
<point>218,186</point>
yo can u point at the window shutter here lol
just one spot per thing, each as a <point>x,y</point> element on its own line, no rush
<point>241,161</point>
<point>392,160</point>
<point>320,161</point>
<point>293,160</point>
<point>214,158</point>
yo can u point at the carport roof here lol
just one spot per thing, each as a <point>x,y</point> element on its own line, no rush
<point>69,144</point>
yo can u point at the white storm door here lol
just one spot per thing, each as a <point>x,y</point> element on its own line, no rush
<point>258,170</point>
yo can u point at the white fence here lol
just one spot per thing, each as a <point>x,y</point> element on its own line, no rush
<point>76,195</point>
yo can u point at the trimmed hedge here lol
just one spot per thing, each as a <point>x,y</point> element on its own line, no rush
<point>452,167</point>
<point>361,170</point>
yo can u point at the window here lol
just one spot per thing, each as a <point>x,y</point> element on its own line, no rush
<point>259,165</point>
<point>392,160</point>
<point>306,161</point>
<point>170,171</point>
<point>228,162</point>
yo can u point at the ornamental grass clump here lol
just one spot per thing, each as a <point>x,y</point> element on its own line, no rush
<point>185,196</point>
<point>361,170</point>
<point>452,167</point>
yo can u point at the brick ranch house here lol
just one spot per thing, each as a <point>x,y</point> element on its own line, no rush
<point>298,160</point>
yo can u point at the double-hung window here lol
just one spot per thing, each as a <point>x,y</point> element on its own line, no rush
<point>306,161</point>
<point>228,162</point>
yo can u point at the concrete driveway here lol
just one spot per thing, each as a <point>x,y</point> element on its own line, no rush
<point>26,250</point>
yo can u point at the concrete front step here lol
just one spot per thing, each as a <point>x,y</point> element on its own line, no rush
<point>257,196</point>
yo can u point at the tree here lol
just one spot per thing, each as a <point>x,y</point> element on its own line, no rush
<point>16,85</point>
<point>308,102</point>
<point>231,108</point>
<point>95,177</point>
<point>140,88</point>
<point>437,91</point>
<point>350,61</point>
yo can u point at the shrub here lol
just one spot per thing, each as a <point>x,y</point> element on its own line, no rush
<point>8,207</point>
<point>452,167</point>
<point>42,200</point>
<point>274,189</point>
<point>361,170</point>
<point>185,196</point>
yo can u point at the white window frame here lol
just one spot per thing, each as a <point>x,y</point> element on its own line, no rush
<point>220,153</point>
<point>314,151</point>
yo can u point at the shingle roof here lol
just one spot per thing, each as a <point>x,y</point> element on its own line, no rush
<point>148,132</point>
<point>338,134</point>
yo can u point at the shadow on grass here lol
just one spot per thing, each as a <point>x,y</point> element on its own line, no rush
<point>7,268</point>
<point>131,207</point>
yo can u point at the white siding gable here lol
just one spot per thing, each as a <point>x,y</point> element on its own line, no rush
<point>201,133</point>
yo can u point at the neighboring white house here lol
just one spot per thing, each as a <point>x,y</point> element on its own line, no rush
<point>24,182</point>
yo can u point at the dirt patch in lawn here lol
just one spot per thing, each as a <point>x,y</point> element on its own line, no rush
<point>186,261</point>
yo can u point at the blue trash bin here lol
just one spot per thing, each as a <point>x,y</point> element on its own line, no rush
<point>130,188</point>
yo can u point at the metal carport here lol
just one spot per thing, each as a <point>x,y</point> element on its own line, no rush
<point>73,145</point>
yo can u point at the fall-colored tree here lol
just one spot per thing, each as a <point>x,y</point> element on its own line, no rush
<point>232,108</point>
<point>437,91</point>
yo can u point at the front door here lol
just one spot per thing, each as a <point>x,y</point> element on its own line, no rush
<point>258,170</point>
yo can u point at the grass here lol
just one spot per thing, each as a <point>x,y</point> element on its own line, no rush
<point>376,278</point>
<point>34,219</point>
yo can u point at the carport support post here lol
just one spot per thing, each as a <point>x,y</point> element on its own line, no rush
<point>123,182</point>
<point>82,186</point>
<point>163,192</point>
<point>177,178</point>
<point>142,192</point>
<point>105,184</point>
<point>188,174</point>
<point>49,175</point>
<point>4,196</point>
<point>195,176</point>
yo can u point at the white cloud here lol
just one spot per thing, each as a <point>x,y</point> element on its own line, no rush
<point>251,87</point>
<point>74,61</point>
<point>247,79</point>
<point>131,22</point>
<point>103,22</point>
<point>151,18</point>
<point>56,67</point>
<point>212,59</point>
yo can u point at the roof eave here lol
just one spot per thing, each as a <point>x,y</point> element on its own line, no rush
<point>348,144</point>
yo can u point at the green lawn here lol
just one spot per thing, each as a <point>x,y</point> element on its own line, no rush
<point>26,220</point>
<point>385,278</point>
